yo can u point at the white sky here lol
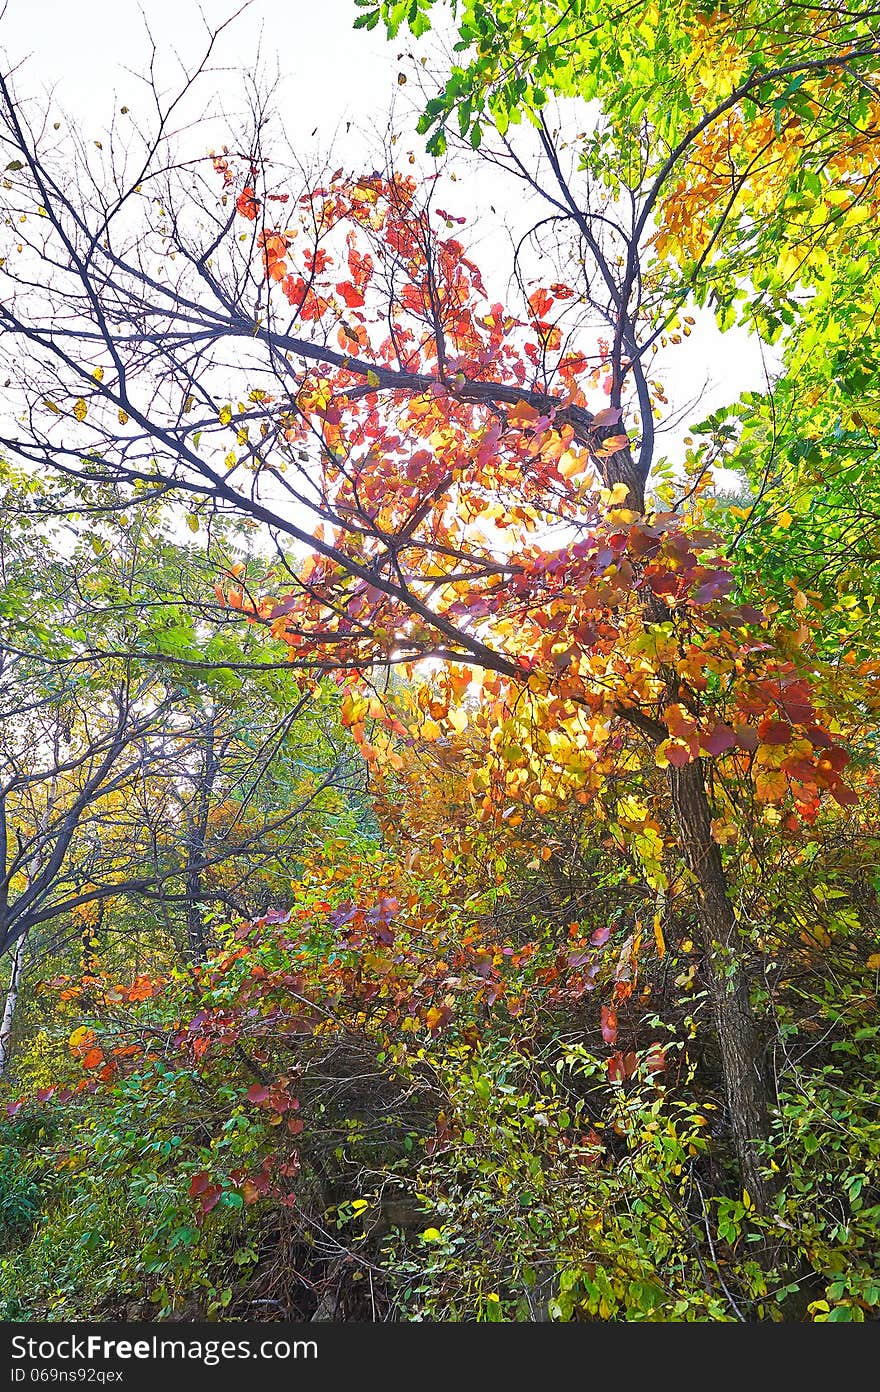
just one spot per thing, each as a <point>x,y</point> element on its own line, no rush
<point>334,81</point>
<point>333,74</point>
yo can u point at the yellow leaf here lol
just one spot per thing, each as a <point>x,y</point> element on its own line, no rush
<point>431,1235</point>
<point>225,415</point>
<point>873,962</point>
<point>373,378</point>
<point>431,730</point>
<point>80,409</point>
<point>747,1200</point>
<point>123,416</point>
<point>98,374</point>
<point>816,936</point>
<point>658,937</point>
<point>613,497</point>
<point>572,463</point>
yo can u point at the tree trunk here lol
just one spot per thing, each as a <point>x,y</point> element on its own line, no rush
<point>738,1037</point>
<point>15,976</point>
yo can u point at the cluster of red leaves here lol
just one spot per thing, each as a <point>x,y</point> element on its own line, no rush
<point>267,1182</point>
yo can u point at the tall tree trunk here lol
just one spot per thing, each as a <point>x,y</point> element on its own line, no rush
<point>12,990</point>
<point>738,1036</point>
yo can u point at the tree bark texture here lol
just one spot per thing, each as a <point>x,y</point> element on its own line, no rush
<point>738,1036</point>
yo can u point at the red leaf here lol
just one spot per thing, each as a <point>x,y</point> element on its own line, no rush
<point>609,1024</point>
<point>776,732</point>
<point>13,1107</point>
<point>819,738</point>
<point>198,1184</point>
<point>609,416</point>
<point>656,1060</point>
<point>720,739</point>
<point>663,584</point>
<point>747,614</point>
<point>210,1198</point>
<point>295,1125</point>
<point>621,1066</point>
<point>844,796</point>
<point>294,288</point>
<point>578,959</point>
<point>353,297</point>
<point>718,584</point>
<point>600,936</point>
<point>281,1101</point>
<point>540,303</point>
<point>677,754</point>
<point>257,1094</point>
<point>246,204</point>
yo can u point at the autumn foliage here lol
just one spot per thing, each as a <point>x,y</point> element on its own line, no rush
<point>512,953</point>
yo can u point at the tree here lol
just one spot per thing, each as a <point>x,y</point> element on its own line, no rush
<point>357,330</point>
<point>137,764</point>
<point>738,150</point>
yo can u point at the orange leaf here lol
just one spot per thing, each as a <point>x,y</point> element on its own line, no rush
<point>246,204</point>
